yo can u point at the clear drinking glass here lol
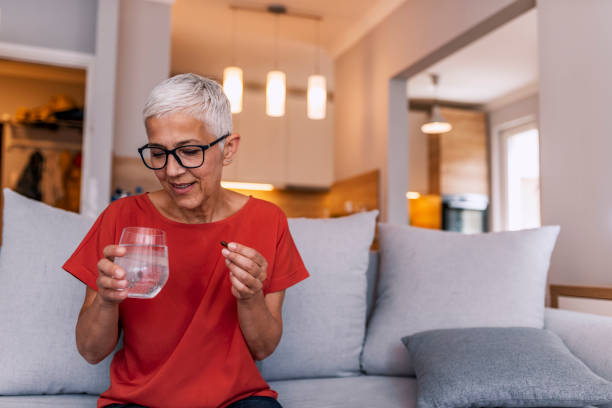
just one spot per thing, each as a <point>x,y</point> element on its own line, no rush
<point>145,261</point>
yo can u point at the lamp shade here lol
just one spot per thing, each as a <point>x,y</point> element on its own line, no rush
<point>436,124</point>
<point>233,88</point>
<point>317,97</point>
<point>275,93</point>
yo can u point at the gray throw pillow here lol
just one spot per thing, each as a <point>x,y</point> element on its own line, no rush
<point>324,317</point>
<point>438,280</point>
<point>495,367</point>
<point>40,303</point>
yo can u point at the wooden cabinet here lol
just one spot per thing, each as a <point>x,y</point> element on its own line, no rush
<point>458,161</point>
<point>288,151</point>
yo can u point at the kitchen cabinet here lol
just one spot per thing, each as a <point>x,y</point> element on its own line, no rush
<point>288,151</point>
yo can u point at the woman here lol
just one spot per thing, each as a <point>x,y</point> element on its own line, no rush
<point>195,343</point>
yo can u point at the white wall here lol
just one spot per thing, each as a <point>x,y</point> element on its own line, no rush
<point>362,79</point>
<point>62,24</point>
<point>143,60</point>
<point>513,114</point>
<point>575,43</point>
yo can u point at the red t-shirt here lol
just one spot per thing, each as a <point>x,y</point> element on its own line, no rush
<point>184,348</point>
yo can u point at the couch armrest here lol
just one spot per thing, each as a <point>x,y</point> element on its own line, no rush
<point>588,336</point>
<point>588,292</point>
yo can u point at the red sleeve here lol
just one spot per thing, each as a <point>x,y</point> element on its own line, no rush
<point>288,267</point>
<point>82,264</point>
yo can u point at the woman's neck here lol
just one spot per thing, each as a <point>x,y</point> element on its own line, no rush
<point>215,207</point>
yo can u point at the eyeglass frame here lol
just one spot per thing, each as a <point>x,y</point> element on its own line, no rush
<point>176,157</point>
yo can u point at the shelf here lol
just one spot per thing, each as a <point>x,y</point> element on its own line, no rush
<point>60,137</point>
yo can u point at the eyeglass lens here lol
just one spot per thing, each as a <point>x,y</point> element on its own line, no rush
<point>189,156</point>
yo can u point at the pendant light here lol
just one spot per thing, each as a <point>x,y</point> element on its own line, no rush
<point>276,84</point>
<point>317,87</point>
<point>436,124</point>
<point>233,88</point>
<point>232,76</point>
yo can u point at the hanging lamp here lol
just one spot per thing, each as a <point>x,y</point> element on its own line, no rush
<point>233,85</point>
<point>317,87</point>
<point>276,83</point>
<point>436,124</point>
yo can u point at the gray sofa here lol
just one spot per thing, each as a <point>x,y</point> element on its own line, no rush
<point>39,304</point>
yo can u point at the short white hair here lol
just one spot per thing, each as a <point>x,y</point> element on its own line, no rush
<point>194,95</point>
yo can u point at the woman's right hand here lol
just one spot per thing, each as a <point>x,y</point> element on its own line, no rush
<point>112,285</point>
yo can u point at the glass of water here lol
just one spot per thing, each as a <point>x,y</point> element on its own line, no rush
<point>145,261</point>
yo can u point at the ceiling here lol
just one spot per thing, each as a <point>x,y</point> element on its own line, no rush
<point>204,41</point>
<point>501,66</point>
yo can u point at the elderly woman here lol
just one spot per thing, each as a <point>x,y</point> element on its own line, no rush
<point>195,343</point>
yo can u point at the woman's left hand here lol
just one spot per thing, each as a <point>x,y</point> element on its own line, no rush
<point>248,270</point>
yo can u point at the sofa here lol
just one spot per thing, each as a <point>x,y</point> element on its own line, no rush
<point>340,346</point>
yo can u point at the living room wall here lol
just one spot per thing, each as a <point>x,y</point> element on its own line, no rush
<point>575,89</point>
<point>58,24</point>
<point>362,77</point>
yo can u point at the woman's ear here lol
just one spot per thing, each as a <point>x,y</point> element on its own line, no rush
<point>230,148</point>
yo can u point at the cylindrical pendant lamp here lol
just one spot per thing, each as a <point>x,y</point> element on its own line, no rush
<point>275,93</point>
<point>233,88</point>
<point>317,97</point>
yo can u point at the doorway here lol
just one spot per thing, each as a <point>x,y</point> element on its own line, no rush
<point>42,110</point>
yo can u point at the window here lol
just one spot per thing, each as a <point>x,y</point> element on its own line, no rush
<point>521,148</point>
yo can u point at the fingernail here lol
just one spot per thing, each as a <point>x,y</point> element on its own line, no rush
<point>121,250</point>
<point>231,246</point>
<point>225,252</point>
<point>227,261</point>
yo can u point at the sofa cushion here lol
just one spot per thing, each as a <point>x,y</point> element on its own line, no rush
<point>40,303</point>
<point>436,279</point>
<point>362,391</point>
<point>51,401</point>
<point>501,367</point>
<point>587,336</point>
<point>324,316</point>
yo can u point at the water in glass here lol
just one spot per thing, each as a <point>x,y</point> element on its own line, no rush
<point>145,261</point>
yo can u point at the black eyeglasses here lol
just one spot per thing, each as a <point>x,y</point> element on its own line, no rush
<point>188,156</point>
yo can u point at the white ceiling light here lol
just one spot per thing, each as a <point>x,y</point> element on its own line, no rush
<point>317,97</point>
<point>276,91</point>
<point>233,88</point>
<point>436,124</point>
